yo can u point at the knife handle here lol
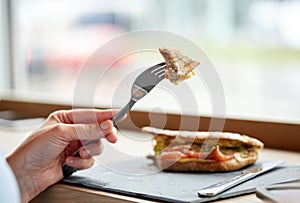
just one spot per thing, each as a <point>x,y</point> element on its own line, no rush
<point>219,187</point>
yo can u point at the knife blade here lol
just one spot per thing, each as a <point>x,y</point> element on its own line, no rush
<point>245,175</point>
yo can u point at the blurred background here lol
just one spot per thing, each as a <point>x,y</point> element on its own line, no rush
<point>254,45</point>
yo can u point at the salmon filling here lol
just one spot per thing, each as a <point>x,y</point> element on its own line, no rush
<point>175,153</point>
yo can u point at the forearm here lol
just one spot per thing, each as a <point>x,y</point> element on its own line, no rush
<point>26,185</point>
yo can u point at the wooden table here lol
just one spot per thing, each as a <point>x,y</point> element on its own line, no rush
<point>66,193</point>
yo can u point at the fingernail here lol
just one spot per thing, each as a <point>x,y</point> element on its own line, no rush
<point>70,161</point>
<point>104,125</point>
<point>87,152</point>
<point>112,138</point>
<point>115,130</point>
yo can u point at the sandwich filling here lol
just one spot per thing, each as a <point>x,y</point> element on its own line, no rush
<point>167,148</point>
<point>185,152</point>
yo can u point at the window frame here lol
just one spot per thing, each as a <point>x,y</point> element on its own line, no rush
<point>5,47</point>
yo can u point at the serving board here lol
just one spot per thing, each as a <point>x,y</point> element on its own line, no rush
<point>140,178</point>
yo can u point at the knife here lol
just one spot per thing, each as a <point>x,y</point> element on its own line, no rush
<point>246,174</point>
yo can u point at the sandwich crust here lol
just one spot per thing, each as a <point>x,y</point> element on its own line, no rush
<point>226,139</point>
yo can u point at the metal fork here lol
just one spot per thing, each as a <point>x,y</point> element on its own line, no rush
<point>141,86</point>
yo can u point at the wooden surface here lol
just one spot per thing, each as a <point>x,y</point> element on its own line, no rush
<point>71,194</point>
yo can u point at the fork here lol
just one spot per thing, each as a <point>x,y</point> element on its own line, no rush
<point>141,86</point>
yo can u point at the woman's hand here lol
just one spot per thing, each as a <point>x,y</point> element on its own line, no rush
<point>37,162</point>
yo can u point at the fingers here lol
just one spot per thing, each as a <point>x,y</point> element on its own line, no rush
<point>93,149</point>
<point>110,130</point>
<point>86,152</point>
<point>71,132</point>
<point>83,116</point>
<point>80,163</point>
<point>112,137</point>
<point>86,122</point>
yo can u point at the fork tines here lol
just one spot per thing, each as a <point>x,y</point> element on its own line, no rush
<point>159,70</point>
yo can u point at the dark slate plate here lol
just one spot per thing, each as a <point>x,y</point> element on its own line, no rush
<point>139,178</point>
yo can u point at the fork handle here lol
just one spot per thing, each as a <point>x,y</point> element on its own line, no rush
<point>123,111</point>
<point>68,170</point>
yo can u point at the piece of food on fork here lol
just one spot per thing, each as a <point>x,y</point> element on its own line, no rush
<point>179,67</point>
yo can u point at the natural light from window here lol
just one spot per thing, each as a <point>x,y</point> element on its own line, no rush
<point>254,45</point>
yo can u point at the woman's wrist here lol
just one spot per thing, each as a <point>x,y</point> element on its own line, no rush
<point>26,184</point>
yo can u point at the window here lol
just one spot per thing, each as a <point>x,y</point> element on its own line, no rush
<point>4,71</point>
<point>255,46</point>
